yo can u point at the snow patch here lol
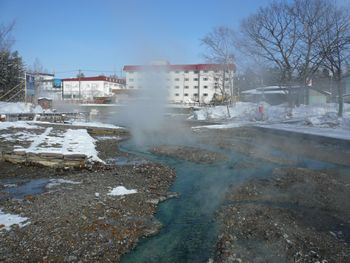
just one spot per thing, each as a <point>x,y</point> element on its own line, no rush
<point>57,182</point>
<point>18,125</point>
<point>121,190</point>
<point>7,220</point>
<point>71,142</point>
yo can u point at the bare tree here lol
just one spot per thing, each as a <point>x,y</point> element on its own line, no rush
<point>220,47</point>
<point>271,34</point>
<point>335,45</point>
<point>311,27</point>
<point>6,39</point>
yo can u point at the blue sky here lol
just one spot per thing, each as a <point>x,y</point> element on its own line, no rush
<point>105,35</point>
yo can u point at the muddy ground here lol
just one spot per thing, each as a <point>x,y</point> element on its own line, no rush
<point>297,215</point>
<point>81,222</point>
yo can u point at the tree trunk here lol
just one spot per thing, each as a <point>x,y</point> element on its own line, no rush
<point>340,99</point>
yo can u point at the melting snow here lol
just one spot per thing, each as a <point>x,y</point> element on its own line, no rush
<point>7,220</point>
<point>71,142</point>
<point>318,120</point>
<point>57,182</point>
<point>121,190</point>
<point>17,124</point>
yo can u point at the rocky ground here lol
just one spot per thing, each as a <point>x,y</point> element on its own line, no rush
<point>297,215</point>
<point>81,222</point>
<point>187,153</point>
<point>285,149</point>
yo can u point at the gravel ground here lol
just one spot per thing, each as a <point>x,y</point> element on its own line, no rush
<point>81,222</point>
<point>189,154</point>
<point>298,215</point>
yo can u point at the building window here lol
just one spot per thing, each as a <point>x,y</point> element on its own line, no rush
<point>186,94</point>
<point>177,72</point>
<point>196,72</point>
<point>205,94</point>
<point>177,94</point>
<point>205,71</point>
<point>216,79</point>
<point>205,79</point>
<point>195,79</point>
<point>187,79</point>
<point>226,79</point>
<point>195,87</point>
<point>186,87</point>
<point>195,94</point>
<point>177,79</point>
<point>186,71</point>
<point>205,87</point>
<point>177,87</point>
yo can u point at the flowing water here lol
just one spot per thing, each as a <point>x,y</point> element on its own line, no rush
<point>189,230</point>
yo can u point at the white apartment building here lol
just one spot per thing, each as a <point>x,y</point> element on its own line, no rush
<point>185,83</point>
<point>88,88</point>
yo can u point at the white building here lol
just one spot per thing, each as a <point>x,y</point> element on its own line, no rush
<point>185,83</point>
<point>89,88</point>
<point>48,86</point>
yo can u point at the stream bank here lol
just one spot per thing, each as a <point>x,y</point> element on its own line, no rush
<point>71,215</point>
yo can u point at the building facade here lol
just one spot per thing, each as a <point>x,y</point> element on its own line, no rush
<point>90,88</point>
<point>48,86</point>
<point>185,83</point>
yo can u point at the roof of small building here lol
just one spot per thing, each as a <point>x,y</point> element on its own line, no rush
<point>95,78</point>
<point>280,90</point>
<point>179,67</point>
<point>44,98</point>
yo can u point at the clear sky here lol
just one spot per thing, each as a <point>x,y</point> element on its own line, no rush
<point>105,35</point>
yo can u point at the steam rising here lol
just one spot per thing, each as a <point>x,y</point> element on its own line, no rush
<point>145,114</point>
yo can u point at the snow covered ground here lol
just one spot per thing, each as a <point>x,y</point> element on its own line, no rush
<point>18,124</point>
<point>69,142</point>
<point>50,140</point>
<point>318,120</point>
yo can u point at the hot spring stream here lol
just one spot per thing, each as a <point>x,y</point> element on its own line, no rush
<point>189,229</point>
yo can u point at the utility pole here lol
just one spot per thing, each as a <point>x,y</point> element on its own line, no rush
<point>199,87</point>
<point>79,85</point>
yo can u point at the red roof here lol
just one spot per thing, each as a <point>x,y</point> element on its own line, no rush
<point>177,67</point>
<point>97,78</point>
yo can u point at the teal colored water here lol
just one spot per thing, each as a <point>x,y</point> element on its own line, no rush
<point>189,231</point>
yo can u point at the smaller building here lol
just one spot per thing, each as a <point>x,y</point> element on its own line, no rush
<point>91,88</point>
<point>43,85</point>
<point>296,95</point>
<point>45,103</point>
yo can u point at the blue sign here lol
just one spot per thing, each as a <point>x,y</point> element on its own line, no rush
<point>57,83</point>
<point>30,85</point>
